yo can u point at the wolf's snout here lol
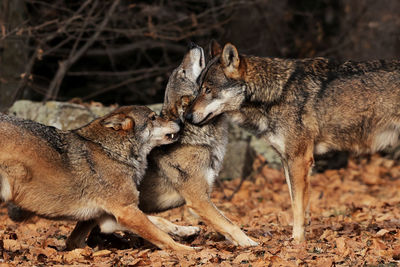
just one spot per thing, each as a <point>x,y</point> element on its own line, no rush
<point>173,132</point>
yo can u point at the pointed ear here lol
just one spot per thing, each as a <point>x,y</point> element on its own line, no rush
<point>193,62</point>
<point>230,56</point>
<point>118,122</point>
<point>230,61</point>
<point>214,48</point>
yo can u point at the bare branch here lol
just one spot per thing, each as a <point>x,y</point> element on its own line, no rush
<point>66,64</point>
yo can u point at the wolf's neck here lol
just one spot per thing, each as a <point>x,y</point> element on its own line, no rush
<point>126,152</point>
<point>265,80</point>
<point>211,134</point>
<point>214,136</point>
<point>139,163</point>
<point>265,88</point>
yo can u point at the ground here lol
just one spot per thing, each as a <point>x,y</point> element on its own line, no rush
<point>355,221</point>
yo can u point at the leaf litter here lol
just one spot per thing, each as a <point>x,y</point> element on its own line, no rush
<point>355,221</point>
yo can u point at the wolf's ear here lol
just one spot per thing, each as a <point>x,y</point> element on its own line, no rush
<point>230,56</point>
<point>193,62</point>
<point>214,48</point>
<point>118,122</point>
<point>230,60</point>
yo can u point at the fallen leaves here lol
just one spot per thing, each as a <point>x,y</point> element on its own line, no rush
<point>12,245</point>
<point>355,221</point>
<point>101,253</point>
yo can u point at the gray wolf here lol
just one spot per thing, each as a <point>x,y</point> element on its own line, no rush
<point>303,107</point>
<point>184,172</point>
<point>90,173</point>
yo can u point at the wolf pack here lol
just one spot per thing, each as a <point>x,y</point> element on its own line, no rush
<point>120,169</point>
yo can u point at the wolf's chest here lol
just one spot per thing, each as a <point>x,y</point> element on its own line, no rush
<point>216,158</point>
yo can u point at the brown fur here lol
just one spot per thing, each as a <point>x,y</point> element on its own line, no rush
<point>87,174</point>
<point>303,107</point>
<point>184,172</point>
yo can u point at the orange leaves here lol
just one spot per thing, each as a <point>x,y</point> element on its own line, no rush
<point>354,222</point>
<point>342,249</point>
<point>13,245</point>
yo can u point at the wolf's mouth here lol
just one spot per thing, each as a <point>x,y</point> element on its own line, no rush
<point>206,119</point>
<point>172,136</point>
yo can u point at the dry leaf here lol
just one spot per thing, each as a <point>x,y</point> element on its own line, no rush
<point>324,261</point>
<point>342,249</point>
<point>12,245</point>
<point>101,253</point>
<point>352,223</point>
<point>382,232</point>
<point>244,257</point>
<point>75,255</point>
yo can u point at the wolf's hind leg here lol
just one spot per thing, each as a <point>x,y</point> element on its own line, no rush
<point>78,236</point>
<point>137,222</point>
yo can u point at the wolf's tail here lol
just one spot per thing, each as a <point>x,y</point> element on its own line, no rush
<point>17,214</point>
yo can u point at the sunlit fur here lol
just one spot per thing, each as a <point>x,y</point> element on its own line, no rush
<point>303,107</point>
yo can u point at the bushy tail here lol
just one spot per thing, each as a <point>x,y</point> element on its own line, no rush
<point>17,214</point>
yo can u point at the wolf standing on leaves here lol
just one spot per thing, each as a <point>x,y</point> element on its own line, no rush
<point>184,172</point>
<point>303,107</point>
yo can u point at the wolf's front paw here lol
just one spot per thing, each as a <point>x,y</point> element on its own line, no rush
<point>248,242</point>
<point>239,238</point>
<point>186,231</point>
<point>184,248</point>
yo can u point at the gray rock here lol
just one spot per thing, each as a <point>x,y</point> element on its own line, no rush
<point>65,116</point>
<point>241,149</point>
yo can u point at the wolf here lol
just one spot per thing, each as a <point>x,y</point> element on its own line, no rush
<point>303,107</point>
<point>184,172</point>
<point>90,173</point>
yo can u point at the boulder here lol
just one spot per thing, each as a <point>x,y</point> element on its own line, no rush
<point>241,150</point>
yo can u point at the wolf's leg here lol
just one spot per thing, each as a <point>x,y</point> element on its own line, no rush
<point>136,221</point>
<point>78,236</point>
<point>174,229</point>
<point>297,175</point>
<point>109,225</point>
<point>197,198</point>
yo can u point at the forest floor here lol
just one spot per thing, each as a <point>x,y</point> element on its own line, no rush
<point>355,221</point>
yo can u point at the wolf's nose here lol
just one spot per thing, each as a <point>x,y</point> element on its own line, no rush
<point>189,117</point>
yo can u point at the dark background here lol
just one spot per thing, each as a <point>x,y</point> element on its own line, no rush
<point>123,51</point>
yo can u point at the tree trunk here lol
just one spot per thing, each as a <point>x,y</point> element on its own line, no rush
<point>13,51</point>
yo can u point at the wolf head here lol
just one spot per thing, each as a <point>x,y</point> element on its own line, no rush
<point>141,124</point>
<point>182,86</point>
<point>222,85</point>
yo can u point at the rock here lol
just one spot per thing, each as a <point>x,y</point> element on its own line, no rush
<point>241,149</point>
<point>64,116</point>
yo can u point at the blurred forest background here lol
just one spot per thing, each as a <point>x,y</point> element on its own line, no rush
<point>123,51</point>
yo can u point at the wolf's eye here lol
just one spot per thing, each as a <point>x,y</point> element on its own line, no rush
<point>153,117</point>
<point>208,90</point>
